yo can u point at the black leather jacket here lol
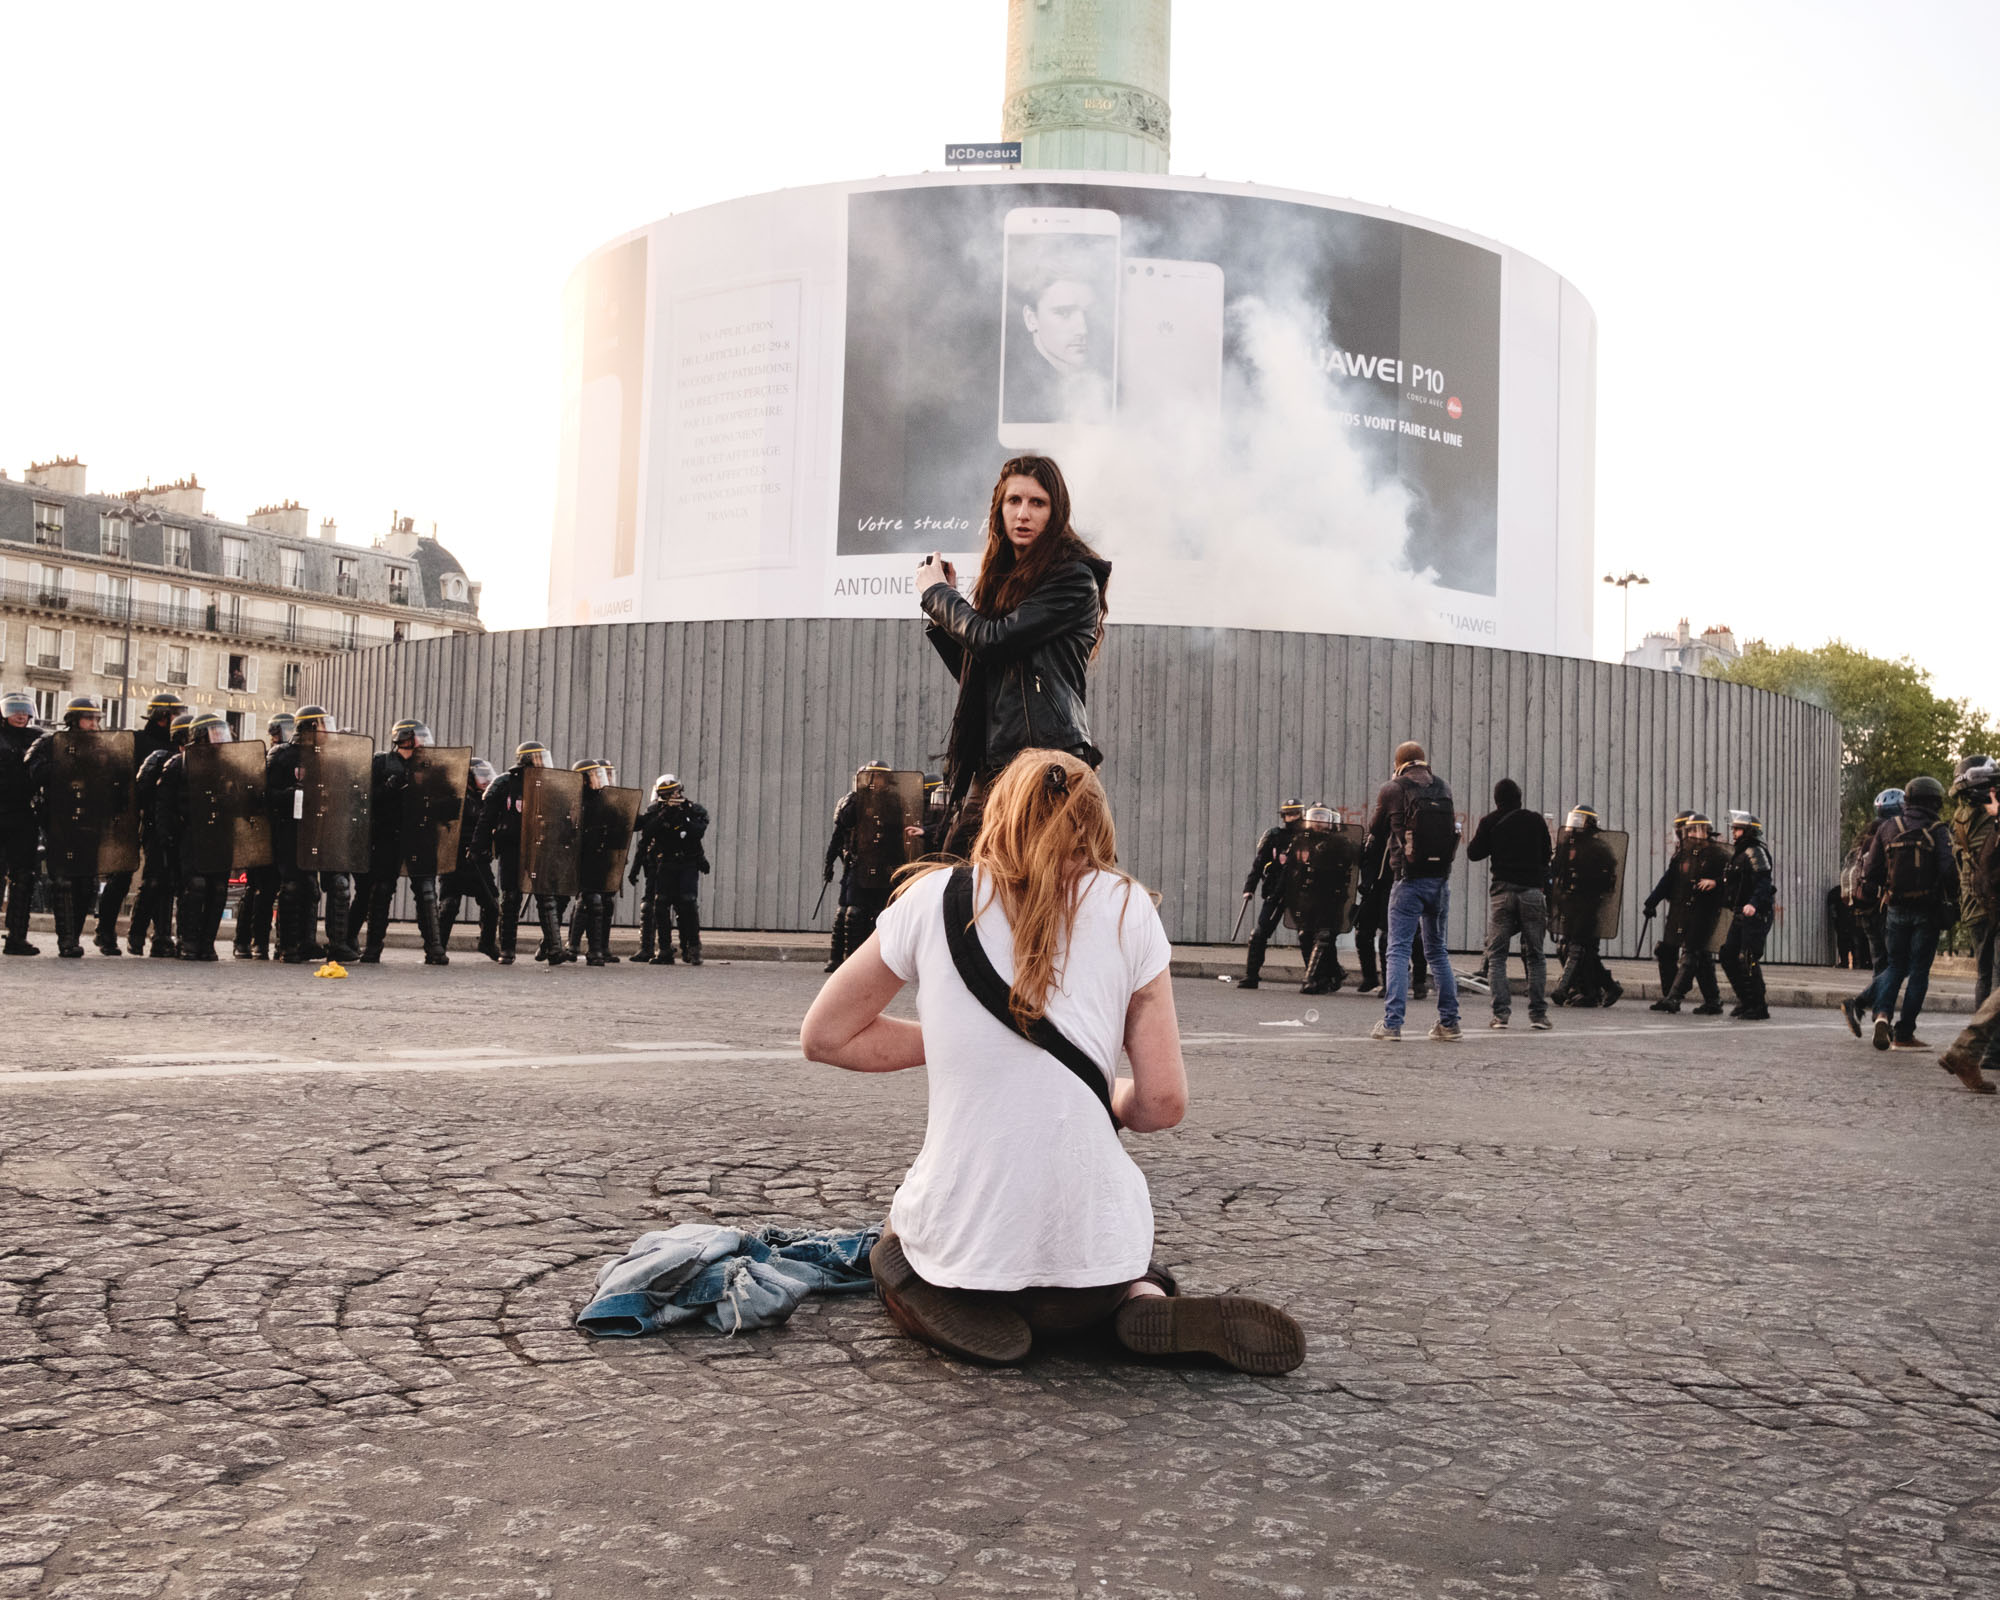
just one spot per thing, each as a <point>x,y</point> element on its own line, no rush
<point>1029,667</point>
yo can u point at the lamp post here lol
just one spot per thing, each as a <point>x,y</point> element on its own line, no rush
<point>140,514</point>
<point>1625,628</point>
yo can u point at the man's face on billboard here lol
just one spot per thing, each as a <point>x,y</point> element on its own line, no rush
<point>1060,320</point>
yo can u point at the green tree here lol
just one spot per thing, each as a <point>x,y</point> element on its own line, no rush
<point>1892,724</point>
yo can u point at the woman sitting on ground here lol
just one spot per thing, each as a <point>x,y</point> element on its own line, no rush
<point>1023,1213</point>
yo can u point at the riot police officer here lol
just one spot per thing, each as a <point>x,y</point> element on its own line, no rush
<point>936,809</point>
<point>70,892</point>
<point>159,878</point>
<point>1667,952</point>
<point>671,857</point>
<point>20,841</point>
<point>152,735</point>
<point>471,876</point>
<point>500,834</point>
<point>260,884</point>
<point>388,786</point>
<point>1752,889</point>
<point>603,839</point>
<point>865,882</point>
<point>1699,897</point>
<point>204,889</point>
<point>1320,868</point>
<point>1267,875</point>
<point>1585,875</point>
<point>299,889</point>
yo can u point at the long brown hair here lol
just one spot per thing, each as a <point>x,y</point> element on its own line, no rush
<point>1047,826</point>
<point>1005,580</point>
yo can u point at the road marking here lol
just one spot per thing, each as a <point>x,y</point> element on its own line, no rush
<point>192,1057</point>
<point>212,1068</point>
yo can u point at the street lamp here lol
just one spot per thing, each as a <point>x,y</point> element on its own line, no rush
<point>1625,583</point>
<point>140,514</point>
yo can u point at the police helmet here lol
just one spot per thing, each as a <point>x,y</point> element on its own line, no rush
<point>1291,811</point>
<point>412,732</point>
<point>281,727</point>
<point>1979,779</point>
<point>1318,819</point>
<point>597,773</point>
<point>312,719</point>
<point>209,727</point>
<point>667,787</point>
<point>1889,803</point>
<point>79,707</point>
<point>1750,822</point>
<point>17,703</point>
<point>531,753</point>
<point>863,773</point>
<point>932,782</point>
<point>164,704</point>
<point>1925,788</point>
<point>178,729</point>
<point>1581,819</point>
<point>1681,820</point>
<point>1696,819</point>
<point>481,771</point>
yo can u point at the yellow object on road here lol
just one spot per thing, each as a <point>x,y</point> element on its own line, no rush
<point>332,969</point>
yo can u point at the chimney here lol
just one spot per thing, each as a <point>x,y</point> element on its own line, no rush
<point>183,495</point>
<point>64,475</point>
<point>329,532</point>
<point>402,539</point>
<point>288,519</point>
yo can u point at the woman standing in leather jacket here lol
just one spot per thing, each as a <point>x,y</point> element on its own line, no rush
<point>1022,646</point>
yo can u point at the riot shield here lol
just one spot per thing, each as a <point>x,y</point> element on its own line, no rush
<point>93,818</point>
<point>228,827</point>
<point>1590,882</point>
<point>606,837</point>
<point>551,827</point>
<point>433,807</point>
<point>892,802</point>
<point>334,810</point>
<point>1722,922</point>
<point>1322,877</point>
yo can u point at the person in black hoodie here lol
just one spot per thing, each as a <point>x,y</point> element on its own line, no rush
<point>1516,841</point>
<point>1913,873</point>
<point>1021,647</point>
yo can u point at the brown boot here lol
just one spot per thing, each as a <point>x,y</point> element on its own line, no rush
<point>960,1322</point>
<point>1965,1068</point>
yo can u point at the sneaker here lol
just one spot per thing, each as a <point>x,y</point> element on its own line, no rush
<point>1498,1024</point>
<point>1911,1043</point>
<point>1540,1024</point>
<point>1850,1011</point>
<point>1966,1070</point>
<point>1247,1334</point>
<point>1882,1031</point>
<point>1382,1030</point>
<point>1445,1033</point>
<point>957,1321</point>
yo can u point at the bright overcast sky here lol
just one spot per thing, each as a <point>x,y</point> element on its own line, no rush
<point>317,252</point>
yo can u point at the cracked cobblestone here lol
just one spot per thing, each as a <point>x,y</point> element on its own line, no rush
<point>1638,1308</point>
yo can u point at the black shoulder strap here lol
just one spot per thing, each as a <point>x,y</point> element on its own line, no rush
<point>991,990</point>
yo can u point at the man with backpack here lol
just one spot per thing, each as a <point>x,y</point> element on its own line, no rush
<point>1911,869</point>
<point>1418,829</point>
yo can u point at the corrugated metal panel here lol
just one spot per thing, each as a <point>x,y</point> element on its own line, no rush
<point>1205,731</point>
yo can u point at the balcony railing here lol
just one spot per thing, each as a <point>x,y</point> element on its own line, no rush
<point>188,619</point>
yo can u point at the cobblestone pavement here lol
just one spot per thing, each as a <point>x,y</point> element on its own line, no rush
<point>1644,1306</point>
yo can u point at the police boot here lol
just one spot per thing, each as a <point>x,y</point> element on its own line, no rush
<point>188,914</point>
<point>838,953</point>
<point>1253,963</point>
<point>596,936</point>
<point>62,896</point>
<point>552,939</point>
<point>425,892</point>
<point>579,921</point>
<point>339,916</point>
<point>447,919</point>
<point>18,907</point>
<point>489,931</point>
<point>1668,960</point>
<point>604,932</point>
<point>291,928</point>
<point>645,930</point>
<point>690,921</point>
<point>381,890</point>
<point>109,903</point>
<point>1371,976</point>
<point>510,925</point>
<point>166,918</point>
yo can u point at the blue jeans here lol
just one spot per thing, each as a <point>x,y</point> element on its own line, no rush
<point>1912,938</point>
<point>1419,904</point>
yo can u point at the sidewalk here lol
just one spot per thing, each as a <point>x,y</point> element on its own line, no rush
<point>1813,987</point>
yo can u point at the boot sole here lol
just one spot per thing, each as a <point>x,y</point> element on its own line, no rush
<point>954,1320</point>
<point>1249,1335</point>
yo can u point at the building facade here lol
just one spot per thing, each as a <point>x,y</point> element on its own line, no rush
<point>1683,650</point>
<point>124,595</point>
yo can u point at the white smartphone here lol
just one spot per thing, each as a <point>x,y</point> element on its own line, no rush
<point>1058,324</point>
<point>1170,343</point>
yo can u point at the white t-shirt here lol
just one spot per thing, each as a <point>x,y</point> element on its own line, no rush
<point>1022,1180</point>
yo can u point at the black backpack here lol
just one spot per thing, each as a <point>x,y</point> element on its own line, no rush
<point>1430,830</point>
<point>1912,864</point>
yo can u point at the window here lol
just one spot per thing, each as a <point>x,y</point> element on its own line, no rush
<point>180,608</point>
<point>177,664</point>
<point>114,536</point>
<point>235,558</point>
<point>294,679</point>
<point>49,589</point>
<point>229,613</point>
<point>292,568</point>
<point>347,579</point>
<point>398,632</point>
<point>238,725</point>
<point>176,547</point>
<point>49,648</point>
<point>114,713</point>
<point>236,674</point>
<point>452,587</point>
<point>399,586</point>
<point>111,654</point>
<point>47,703</point>
<point>48,524</point>
<point>114,591</point>
<point>350,630</point>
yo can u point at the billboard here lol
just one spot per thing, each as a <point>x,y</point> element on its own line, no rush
<point>1273,410</point>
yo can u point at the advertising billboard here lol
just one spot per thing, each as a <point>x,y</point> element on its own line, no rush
<point>1273,410</point>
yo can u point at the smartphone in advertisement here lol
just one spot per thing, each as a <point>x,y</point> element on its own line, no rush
<point>1170,344</point>
<point>1060,284</point>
